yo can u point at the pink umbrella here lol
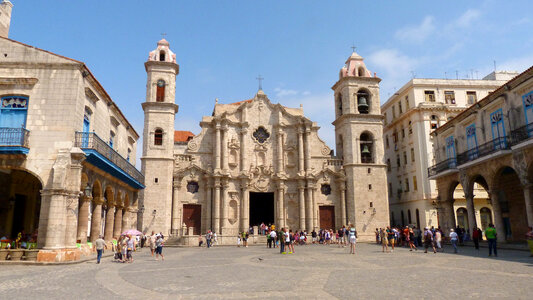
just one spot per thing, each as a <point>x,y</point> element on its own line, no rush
<point>132,232</point>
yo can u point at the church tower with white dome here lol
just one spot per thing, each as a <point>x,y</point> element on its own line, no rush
<point>158,138</point>
<point>359,143</point>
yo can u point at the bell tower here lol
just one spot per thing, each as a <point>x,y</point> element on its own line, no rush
<point>158,139</point>
<point>358,138</point>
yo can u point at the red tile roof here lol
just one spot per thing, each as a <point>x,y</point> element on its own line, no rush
<point>241,102</point>
<point>182,136</point>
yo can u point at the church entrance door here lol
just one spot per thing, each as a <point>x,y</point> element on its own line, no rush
<point>327,217</point>
<point>261,208</point>
<point>192,217</point>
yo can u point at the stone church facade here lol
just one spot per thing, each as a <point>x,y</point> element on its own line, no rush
<point>258,162</point>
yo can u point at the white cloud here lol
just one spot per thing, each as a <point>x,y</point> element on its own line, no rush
<point>418,33</point>
<point>284,92</point>
<point>516,64</point>
<point>466,19</point>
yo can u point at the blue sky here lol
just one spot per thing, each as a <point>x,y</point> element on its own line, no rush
<point>297,46</point>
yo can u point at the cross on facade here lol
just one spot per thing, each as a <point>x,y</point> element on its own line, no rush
<point>260,79</point>
<point>353,48</point>
<point>163,35</point>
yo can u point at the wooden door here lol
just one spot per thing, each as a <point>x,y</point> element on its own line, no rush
<point>192,214</point>
<point>327,217</point>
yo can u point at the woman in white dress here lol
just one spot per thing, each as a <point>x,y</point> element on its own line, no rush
<point>352,235</point>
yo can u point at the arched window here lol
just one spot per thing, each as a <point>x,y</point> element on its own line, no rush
<point>361,72</point>
<point>367,148</point>
<point>13,111</point>
<point>162,55</point>
<point>486,217</point>
<point>363,102</point>
<point>158,137</point>
<point>339,105</point>
<point>160,93</point>
<point>417,218</point>
<point>462,218</point>
<point>409,216</point>
<point>403,219</point>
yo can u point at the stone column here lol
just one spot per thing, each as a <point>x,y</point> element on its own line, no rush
<point>280,151</point>
<point>208,203</point>
<point>309,208</point>
<point>301,204</point>
<point>245,201</point>
<point>117,228</point>
<point>224,208</point>
<point>343,204</point>
<point>498,219</point>
<point>244,131</point>
<point>217,146</point>
<point>307,154</point>
<point>315,208</point>
<point>279,204</point>
<point>55,229</point>
<point>175,224</point>
<point>216,207</point>
<point>109,221</point>
<point>96,219</point>
<point>471,212</point>
<point>529,204</point>
<point>225,148</point>
<point>83,218</point>
<point>125,219</point>
<point>71,225</point>
<point>449,215</point>
<point>300,151</point>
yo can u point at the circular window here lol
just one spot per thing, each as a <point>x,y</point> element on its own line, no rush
<point>160,83</point>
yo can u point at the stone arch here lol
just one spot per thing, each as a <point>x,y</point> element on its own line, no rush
<point>361,71</point>
<point>109,195</point>
<point>97,189</point>
<point>338,105</point>
<point>158,136</point>
<point>84,181</point>
<point>126,200</point>
<point>162,55</point>
<point>366,147</point>
<point>509,192</point>
<point>363,101</point>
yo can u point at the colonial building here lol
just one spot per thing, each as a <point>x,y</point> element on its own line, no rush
<point>489,145</point>
<point>67,152</point>
<point>258,162</point>
<point>416,109</point>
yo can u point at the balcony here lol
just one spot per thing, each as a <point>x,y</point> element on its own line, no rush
<point>14,140</point>
<point>101,155</point>
<point>498,144</point>
<point>521,134</point>
<point>445,165</point>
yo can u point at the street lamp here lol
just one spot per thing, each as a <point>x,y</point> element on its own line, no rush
<point>87,191</point>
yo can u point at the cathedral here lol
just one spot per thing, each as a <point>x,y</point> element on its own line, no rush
<point>256,161</point>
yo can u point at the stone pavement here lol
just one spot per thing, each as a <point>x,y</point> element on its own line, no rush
<point>315,271</point>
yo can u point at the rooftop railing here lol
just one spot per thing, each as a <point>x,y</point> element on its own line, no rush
<point>14,137</point>
<point>90,140</point>
<point>448,164</point>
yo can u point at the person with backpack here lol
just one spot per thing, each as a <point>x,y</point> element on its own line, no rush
<point>490,234</point>
<point>428,240</point>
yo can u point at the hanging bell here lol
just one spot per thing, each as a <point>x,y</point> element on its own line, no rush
<point>365,150</point>
<point>362,105</point>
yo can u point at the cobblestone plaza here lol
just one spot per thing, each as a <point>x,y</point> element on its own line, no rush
<point>315,271</point>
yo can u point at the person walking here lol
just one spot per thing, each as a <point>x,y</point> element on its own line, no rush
<point>282,241</point>
<point>208,237</point>
<point>269,240</point>
<point>353,238</point>
<point>454,238</point>
<point>529,238</point>
<point>476,236</point>
<point>99,245</point>
<point>411,239</point>
<point>438,240</point>
<point>490,234</point>
<point>273,237</point>
<point>152,243</point>
<point>131,247</point>
<point>390,235</point>
<point>428,240</point>
<point>159,247</point>
<point>384,239</point>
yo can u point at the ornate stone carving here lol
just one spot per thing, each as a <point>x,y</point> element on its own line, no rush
<point>192,145</point>
<point>325,151</point>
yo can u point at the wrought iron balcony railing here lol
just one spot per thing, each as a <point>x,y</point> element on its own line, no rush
<point>14,137</point>
<point>448,164</point>
<point>521,134</point>
<point>89,140</point>
<point>488,148</point>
